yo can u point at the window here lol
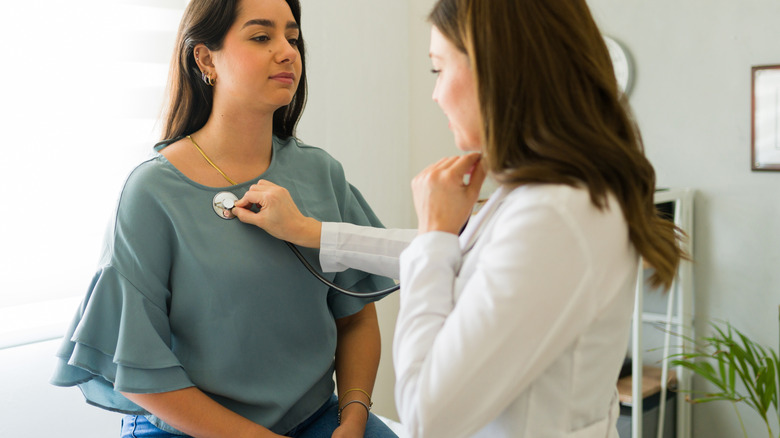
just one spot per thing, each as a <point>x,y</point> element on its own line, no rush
<point>83,88</point>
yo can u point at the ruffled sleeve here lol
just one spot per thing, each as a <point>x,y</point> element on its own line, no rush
<point>120,338</point>
<point>355,210</point>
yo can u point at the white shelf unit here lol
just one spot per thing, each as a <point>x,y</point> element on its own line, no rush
<point>677,319</point>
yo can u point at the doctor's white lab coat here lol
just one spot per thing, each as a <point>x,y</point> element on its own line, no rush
<point>517,328</point>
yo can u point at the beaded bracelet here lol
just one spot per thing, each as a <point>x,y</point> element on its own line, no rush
<point>368,409</point>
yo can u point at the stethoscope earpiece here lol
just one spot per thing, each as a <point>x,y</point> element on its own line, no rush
<point>223,204</point>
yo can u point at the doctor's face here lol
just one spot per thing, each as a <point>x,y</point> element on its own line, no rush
<point>456,92</point>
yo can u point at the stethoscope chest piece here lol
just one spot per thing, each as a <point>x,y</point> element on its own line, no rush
<point>223,204</point>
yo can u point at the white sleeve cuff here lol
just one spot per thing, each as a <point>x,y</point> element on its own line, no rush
<point>436,244</point>
<point>374,250</point>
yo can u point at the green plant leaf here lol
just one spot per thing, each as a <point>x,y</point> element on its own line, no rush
<point>751,353</point>
<point>727,357</point>
<point>766,381</point>
<point>715,397</point>
<point>705,370</point>
<point>732,379</point>
<point>722,367</point>
<point>776,367</point>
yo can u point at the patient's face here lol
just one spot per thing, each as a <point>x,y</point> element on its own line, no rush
<point>259,65</point>
<point>456,91</point>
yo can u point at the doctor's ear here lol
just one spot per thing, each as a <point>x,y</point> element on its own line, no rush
<point>204,60</point>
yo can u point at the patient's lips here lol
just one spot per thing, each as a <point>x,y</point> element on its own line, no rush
<point>284,77</point>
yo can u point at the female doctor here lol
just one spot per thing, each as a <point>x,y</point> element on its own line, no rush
<point>518,327</point>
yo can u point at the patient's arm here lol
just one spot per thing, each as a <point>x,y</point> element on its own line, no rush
<point>194,413</point>
<point>357,359</point>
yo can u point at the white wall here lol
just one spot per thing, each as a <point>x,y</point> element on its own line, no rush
<point>358,96</point>
<point>692,101</point>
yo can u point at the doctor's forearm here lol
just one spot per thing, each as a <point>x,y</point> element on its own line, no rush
<point>308,233</point>
<point>370,249</point>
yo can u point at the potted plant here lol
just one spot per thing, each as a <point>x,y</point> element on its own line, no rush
<point>729,357</point>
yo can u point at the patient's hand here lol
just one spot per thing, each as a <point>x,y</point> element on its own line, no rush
<point>349,431</point>
<point>278,215</point>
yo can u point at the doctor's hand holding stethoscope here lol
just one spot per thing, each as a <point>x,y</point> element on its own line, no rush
<point>517,327</point>
<point>444,197</point>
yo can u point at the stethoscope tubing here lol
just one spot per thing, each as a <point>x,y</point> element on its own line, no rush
<point>379,293</point>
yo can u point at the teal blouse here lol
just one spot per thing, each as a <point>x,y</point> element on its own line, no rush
<point>185,298</point>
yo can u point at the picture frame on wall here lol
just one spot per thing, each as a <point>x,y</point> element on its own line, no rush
<point>765,118</point>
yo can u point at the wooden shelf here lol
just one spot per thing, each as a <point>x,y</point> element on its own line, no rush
<point>651,384</point>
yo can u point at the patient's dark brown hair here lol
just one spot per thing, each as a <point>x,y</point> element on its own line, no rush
<point>553,113</point>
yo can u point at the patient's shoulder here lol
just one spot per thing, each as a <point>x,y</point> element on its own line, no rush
<point>177,153</point>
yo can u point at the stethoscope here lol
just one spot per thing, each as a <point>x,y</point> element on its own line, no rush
<point>223,205</point>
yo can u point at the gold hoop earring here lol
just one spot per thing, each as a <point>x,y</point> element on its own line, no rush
<point>208,79</point>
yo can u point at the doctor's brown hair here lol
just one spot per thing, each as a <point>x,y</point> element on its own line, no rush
<point>189,98</point>
<point>552,111</point>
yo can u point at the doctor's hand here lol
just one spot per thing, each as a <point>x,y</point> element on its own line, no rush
<point>443,202</point>
<point>278,215</point>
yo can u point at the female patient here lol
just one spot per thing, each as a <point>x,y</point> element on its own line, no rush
<point>200,326</point>
<point>519,327</point>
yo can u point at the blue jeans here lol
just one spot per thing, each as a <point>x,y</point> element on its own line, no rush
<point>325,421</point>
<point>320,425</point>
<point>137,426</point>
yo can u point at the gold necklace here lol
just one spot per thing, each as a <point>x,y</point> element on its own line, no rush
<point>211,162</point>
